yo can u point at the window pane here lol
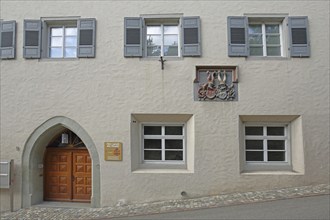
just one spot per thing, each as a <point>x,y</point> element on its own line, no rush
<point>255,39</point>
<point>132,36</point>
<point>171,30</point>
<point>253,130</point>
<point>71,31</point>
<point>173,155</point>
<point>276,156</point>
<point>275,131</point>
<point>171,40</point>
<point>272,28</point>
<point>273,39</point>
<point>276,144</point>
<point>86,37</point>
<point>154,40</point>
<point>56,31</point>
<point>56,42</point>
<point>254,144</point>
<point>273,51</point>
<point>70,52</point>
<point>154,30</point>
<point>256,51</point>
<point>173,144</point>
<point>255,28</point>
<point>173,130</point>
<point>56,52</point>
<point>71,41</point>
<point>299,36</point>
<point>152,130</point>
<point>254,156</point>
<point>153,51</point>
<point>152,144</point>
<point>171,51</point>
<point>7,39</point>
<point>152,155</point>
<point>191,36</point>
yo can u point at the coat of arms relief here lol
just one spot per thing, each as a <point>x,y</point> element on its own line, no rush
<point>216,83</point>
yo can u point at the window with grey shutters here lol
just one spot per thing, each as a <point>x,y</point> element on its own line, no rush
<point>7,39</point>
<point>133,37</point>
<point>60,38</point>
<point>166,35</point>
<point>32,39</point>
<point>265,36</point>
<point>299,37</point>
<point>191,36</point>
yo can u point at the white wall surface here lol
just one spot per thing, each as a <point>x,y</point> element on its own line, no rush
<point>101,94</point>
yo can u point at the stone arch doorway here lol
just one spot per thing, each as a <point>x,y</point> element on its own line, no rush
<point>33,156</point>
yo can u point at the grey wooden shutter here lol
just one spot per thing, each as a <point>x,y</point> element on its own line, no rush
<point>237,36</point>
<point>32,39</point>
<point>7,39</point>
<point>299,37</point>
<point>86,37</point>
<point>191,36</point>
<point>133,37</point>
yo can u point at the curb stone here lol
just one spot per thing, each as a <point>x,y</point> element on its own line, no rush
<point>124,210</point>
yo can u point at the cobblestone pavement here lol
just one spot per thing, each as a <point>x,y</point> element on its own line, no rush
<point>39,212</point>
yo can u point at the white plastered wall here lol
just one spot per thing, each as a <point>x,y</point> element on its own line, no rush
<point>101,95</point>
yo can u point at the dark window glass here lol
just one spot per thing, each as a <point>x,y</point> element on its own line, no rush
<point>152,144</point>
<point>86,37</point>
<point>237,35</point>
<point>173,130</point>
<point>254,144</point>
<point>152,155</point>
<point>299,36</point>
<point>254,156</point>
<point>173,155</point>
<point>31,38</point>
<point>190,36</point>
<point>7,39</point>
<point>276,144</point>
<point>173,144</point>
<point>254,131</point>
<point>276,156</point>
<point>275,131</point>
<point>152,130</point>
<point>132,36</point>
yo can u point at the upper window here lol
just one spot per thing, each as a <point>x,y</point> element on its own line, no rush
<point>265,39</point>
<point>63,42</point>
<point>263,36</point>
<point>59,38</point>
<point>167,35</point>
<point>163,143</point>
<point>162,40</point>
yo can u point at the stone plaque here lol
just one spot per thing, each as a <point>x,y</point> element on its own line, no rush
<point>216,83</point>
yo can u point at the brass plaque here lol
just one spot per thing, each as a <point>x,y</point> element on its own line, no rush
<point>113,151</point>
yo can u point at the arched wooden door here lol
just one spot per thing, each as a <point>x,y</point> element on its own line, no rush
<point>67,170</point>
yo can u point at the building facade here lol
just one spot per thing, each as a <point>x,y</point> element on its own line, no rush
<point>112,102</point>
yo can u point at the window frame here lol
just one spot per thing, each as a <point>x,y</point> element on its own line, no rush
<point>162,137</point>
<point>266,164</point>
<point>49,38</point>
<point>263,24</point>
<point>162,25</point>
<point>161,21</point>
